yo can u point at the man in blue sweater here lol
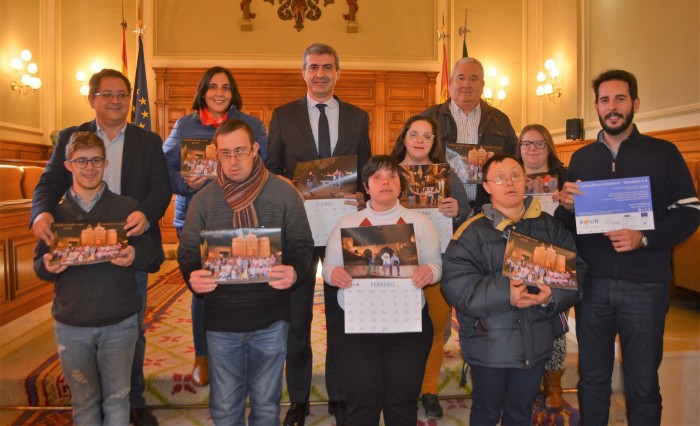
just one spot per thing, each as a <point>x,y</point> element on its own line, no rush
<point>626,287</point>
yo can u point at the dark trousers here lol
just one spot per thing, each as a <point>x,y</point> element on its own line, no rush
<point>299,356</point>
<point>637,312</point>
<point>504,394</point>
<point>138,383</point>
<point>383,372</point>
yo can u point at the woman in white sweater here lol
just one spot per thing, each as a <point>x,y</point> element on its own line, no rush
<point>381,372</point>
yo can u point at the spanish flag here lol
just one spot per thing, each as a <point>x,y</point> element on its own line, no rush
<point>445,76</point>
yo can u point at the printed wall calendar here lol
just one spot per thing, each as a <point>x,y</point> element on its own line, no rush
<point>382,306</point>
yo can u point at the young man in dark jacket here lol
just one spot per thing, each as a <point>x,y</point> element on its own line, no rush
<point>626,289</point>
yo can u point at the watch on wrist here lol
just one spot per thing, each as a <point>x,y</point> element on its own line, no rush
<point>644,242</point>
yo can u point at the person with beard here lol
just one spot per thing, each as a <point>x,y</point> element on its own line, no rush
<point>626,285</point>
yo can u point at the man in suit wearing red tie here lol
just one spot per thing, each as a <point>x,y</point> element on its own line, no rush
<point>319,125</point>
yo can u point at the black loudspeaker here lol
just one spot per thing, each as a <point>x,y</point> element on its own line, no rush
<point>574,128</point>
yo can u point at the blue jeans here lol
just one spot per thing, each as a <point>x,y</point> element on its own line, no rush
<point>247,364</point>
<point>504,394</point>
<point>199,333</point>
<point>637,312</point>
<point>138,382</point>
<point>96,362</point>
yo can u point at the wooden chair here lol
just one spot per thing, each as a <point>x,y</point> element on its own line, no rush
<point>30,178</point>
<point>10,183</point>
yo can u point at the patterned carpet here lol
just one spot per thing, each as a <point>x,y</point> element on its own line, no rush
<point>169,358</point>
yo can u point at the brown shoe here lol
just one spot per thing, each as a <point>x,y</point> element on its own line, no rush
<point>200,372</point>
<point>552,390</point>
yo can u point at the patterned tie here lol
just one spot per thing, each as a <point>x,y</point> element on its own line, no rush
<point>324,133</point>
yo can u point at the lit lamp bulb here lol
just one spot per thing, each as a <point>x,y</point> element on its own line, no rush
<point>548,88</point>
<point>488,93</point>
<point>492,72</point>
<point>549,64</point>
<point>80,76</point>
<point>505,81</point>
<point>32,68</point>
<point>554,72</point>
<point>26,79</point>
<point>501,94</point>
<point>16,64</point>
<point>26,55</point>
<point>540,90</point>
<point>541,76</point>
<point>96,67</point>
<point>35,83</point>
<point>84,90</point>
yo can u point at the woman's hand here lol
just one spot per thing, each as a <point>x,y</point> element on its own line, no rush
<point>448,207</point>
<point>422,277</point>
<point>340,278</point>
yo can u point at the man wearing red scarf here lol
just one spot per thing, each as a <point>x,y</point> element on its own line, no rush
<point>247,325</point>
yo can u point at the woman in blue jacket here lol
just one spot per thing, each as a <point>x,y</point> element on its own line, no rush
<point>217,99</point>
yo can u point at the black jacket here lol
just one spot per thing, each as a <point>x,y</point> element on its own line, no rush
<point>675,205</point>
<point>144,178</point>
<point>492,333</point>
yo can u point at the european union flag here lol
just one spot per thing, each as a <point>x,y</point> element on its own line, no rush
<point>140,112</point>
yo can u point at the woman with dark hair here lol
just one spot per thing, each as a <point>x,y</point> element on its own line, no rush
<point>217,99</point>
<point>381,372</point>
<point>536,151</point>
<point>419,143</point>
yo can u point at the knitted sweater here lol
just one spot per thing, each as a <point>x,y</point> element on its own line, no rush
<point>102,293</point>
<point>249,307</point>
<point>674,202</point>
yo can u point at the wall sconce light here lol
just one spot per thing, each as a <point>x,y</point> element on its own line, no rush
<point>80,76</point>
<point>24,74</point>
<point>84,88</point>
<point>500,94</point>
<point>548,90</point>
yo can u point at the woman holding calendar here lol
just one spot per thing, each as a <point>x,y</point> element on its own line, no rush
<point>381,372</point>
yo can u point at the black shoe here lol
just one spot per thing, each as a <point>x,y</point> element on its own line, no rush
<point>337,409</point>
<point>142,417</point>
<point>431,403</point>
<point>296,415</point>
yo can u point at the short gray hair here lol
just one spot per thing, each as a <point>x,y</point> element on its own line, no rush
<point>469,60</point>
<point>320,49</point>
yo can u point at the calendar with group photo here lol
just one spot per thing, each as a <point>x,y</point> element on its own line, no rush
<point>326,184</point>
<point>87,243</point>
<point>426,186</point>
<point>241,255</point>
<point>466,160</point>
<point>539,262</point>
<point>198,158</point>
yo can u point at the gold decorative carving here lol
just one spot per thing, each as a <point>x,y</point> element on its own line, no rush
<point>298,10</point>
<point>350,16</point>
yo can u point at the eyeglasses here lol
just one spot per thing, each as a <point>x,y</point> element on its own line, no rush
<point>414,136</point>
<point>108,96</point>
<point>500,180</point>
<point>239,153</point>
<point>82,162</point>
<point>526,145</point>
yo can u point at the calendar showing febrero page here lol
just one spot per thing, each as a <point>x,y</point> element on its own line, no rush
<point>381,260</point>
<point>382,306</point>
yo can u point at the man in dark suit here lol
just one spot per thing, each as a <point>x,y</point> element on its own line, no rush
<point>316,126</point>
<point>138,171</point>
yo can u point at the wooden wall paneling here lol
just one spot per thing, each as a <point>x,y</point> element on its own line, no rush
<point>4,289</point>
<point>24,280</point>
